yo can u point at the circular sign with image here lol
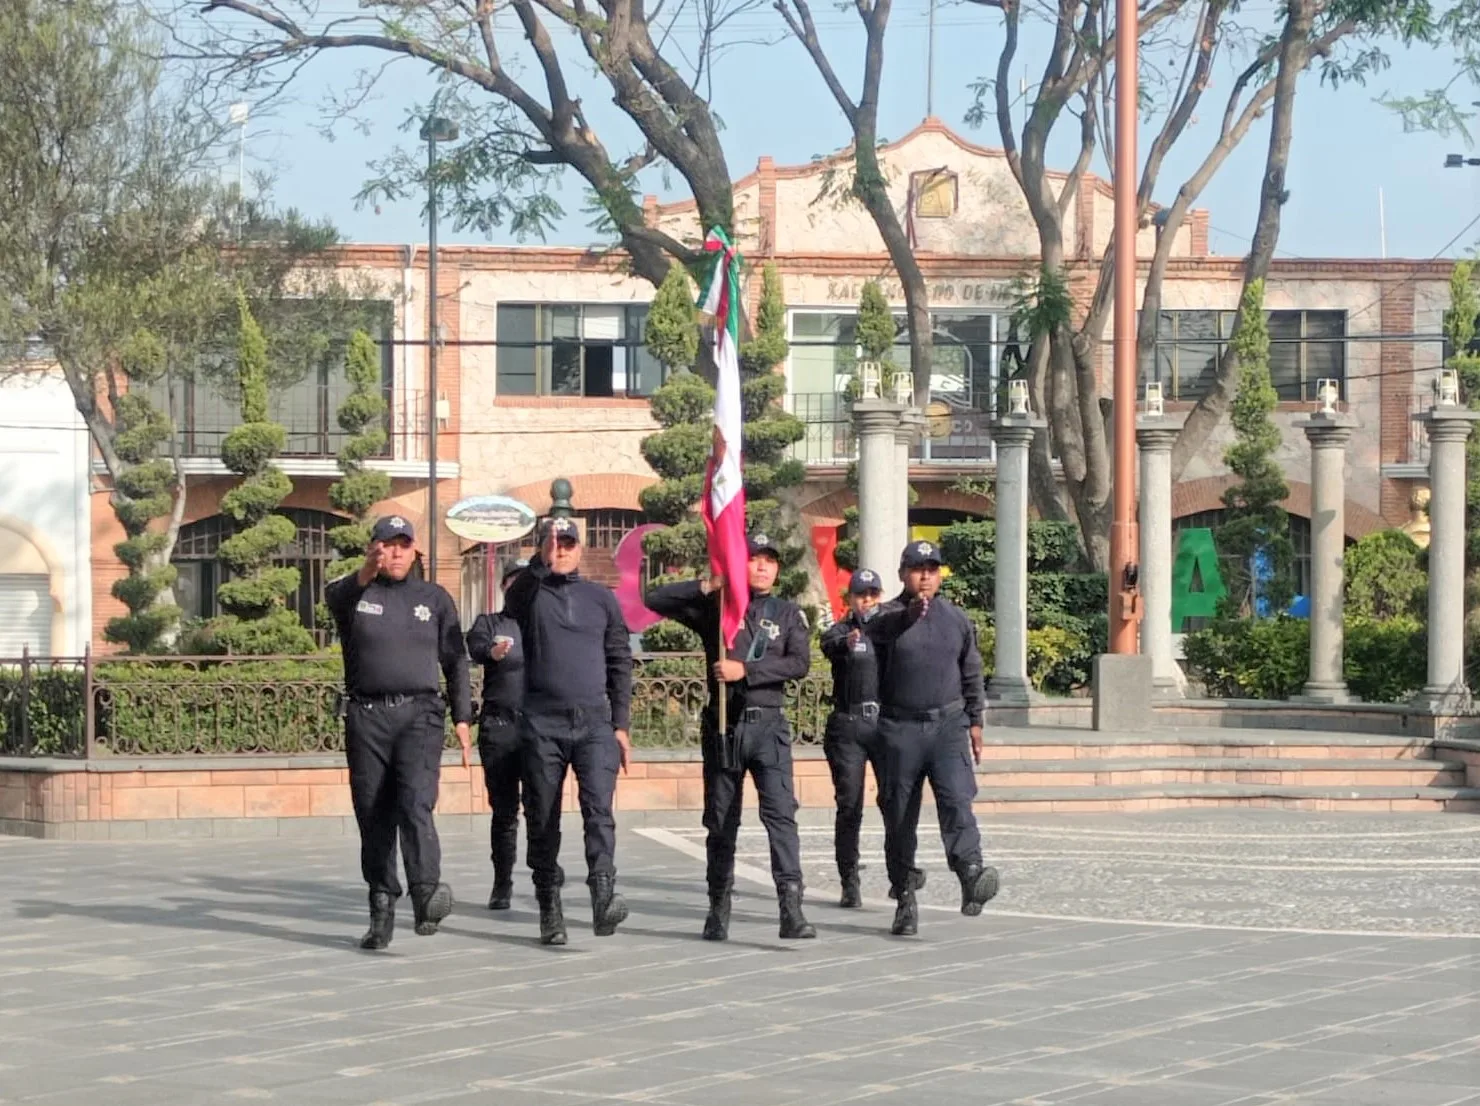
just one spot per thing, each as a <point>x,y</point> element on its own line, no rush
<point>490,518</point>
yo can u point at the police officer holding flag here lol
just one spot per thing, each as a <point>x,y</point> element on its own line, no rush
<point>396,633</point>
<point>771,648</point>
<point>930,727</point>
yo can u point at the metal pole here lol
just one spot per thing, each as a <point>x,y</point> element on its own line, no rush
<point>1123,536</point>
<point>930,66</point>
<point>432,344</point>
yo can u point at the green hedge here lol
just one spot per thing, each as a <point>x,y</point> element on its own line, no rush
<point>1269,658</point>
<point>46,720</point>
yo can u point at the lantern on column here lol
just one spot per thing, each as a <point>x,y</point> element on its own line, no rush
<point>1155,406</point>
<point>1448,388</point>
<point>1328,391</point>
<point>1017,397</point>
<point>904,388</point>
<point>868,375</point>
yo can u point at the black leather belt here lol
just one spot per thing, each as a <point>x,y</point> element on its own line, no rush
<point>935,714</point>
<point>863,710</point>
<point>390,702</point>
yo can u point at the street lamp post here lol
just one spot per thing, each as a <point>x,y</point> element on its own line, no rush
<point>436,129</point>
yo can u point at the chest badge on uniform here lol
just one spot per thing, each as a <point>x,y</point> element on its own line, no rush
<point>367,607</point>
<point>421,612</point>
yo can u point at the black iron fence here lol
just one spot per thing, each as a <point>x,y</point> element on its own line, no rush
<point>89,707</point>
<point>956,432</point>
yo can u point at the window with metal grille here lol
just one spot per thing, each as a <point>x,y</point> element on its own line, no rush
<point>1212,520</point>
<point>202,572</point>
<point>573,349</point>
<point>1304,347</point>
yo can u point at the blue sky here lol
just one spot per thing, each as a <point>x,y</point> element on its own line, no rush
<point>772,101</point>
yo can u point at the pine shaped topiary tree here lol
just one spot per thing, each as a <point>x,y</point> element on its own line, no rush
<point>1256,529</point>
<point>875,330</point>
<point>678,453</point>
<point>362,416</point>
<point>144,492</point>
<point>257,619</point>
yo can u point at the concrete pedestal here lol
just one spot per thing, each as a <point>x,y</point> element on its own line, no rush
<point>1328,435</point>
<point>880,521</point>
<point>1122,685</point>
<point>1009,683</point>
<point>1449,428</point>
<point>1155,437</point>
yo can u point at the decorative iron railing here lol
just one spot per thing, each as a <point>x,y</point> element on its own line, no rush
<point>225,706</point>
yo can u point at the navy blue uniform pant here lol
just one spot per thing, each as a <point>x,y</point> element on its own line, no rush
<point>395,766</point>
<point>913,750</point>
<point>503,766</point>
<point>851,743</point>
<point>553,742</point>
<point>761,743</point>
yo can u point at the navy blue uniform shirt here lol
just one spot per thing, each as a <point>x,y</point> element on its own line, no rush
<point>927,661</point>
<point>787,656</point>
<point>576,648</point>
<point>503,681</point>
<point>855,668</point>
<point>395,635</point>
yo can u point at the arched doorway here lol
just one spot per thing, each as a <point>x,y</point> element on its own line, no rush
<point>30,617</point>
<point>202,572</point>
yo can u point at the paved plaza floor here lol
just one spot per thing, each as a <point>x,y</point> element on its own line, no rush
<point>1196,959</point>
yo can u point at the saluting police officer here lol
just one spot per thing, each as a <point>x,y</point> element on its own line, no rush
<point>930,726</point>
<point>395,633</point>
<point>494,642</point>
<point>851,738</point>
<point>577,700</point>
<point>771,648</point>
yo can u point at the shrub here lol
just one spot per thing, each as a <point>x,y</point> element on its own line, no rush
<point>1265,658</point>
<point>1386,660</point>
<point>1384,577</point>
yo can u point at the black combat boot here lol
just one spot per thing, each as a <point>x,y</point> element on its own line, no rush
<point>382,921</point>
<point>502,895</point>
<point>793,923</point>
<point>504,851</point>
<point>978,886</point>
<point>906,916</point>
<point>717,923</point>
<point>431,903</point>
<point>852,891</point>
<point>916,880</point>
<point>608,909</point>
<point>552,918</point>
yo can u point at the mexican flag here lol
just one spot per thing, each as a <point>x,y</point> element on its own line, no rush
<point>724,496</point>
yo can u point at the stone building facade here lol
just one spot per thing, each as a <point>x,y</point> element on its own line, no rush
<point>543,372</point>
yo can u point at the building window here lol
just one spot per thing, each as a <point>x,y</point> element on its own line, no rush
<point>936,193</point>
<point>202,572</point>
<point>1305,347</point>
<point>304,396</point>
<point>593,350</point>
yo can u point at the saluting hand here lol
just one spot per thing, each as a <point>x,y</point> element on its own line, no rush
<point>711,585</point>
<point>371,568</point>
<point>461,729</point>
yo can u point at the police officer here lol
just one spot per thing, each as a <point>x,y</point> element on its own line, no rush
<point>577,699</point>
<point>772,647</point>
<point>494,642</point>
<point>851,738</point>
<point>930,727</point>
<point>395,633</point>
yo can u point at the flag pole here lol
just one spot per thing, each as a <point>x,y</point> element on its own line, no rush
<point>722,688</point>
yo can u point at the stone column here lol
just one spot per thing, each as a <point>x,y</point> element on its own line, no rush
<point>912,424</point>
<point>877,423</point>
<point>1013,435</point>
<point>1449,428</point>
<point>1155,437</point>
<point>1328,435</point>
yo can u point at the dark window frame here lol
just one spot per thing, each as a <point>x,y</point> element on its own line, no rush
<point>1294,379</point>
<point>642,374</point>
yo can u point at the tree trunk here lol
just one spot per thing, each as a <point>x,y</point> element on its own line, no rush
<point>1293,57</point>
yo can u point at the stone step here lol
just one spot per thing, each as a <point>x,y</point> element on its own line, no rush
<point>1142,771</point>
<point>1103,800</point>
<point>1088,745</point>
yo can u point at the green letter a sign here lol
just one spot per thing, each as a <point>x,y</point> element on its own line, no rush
<point>1197,585</point>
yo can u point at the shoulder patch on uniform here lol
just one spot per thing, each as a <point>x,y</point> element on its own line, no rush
<point>364,606</point>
